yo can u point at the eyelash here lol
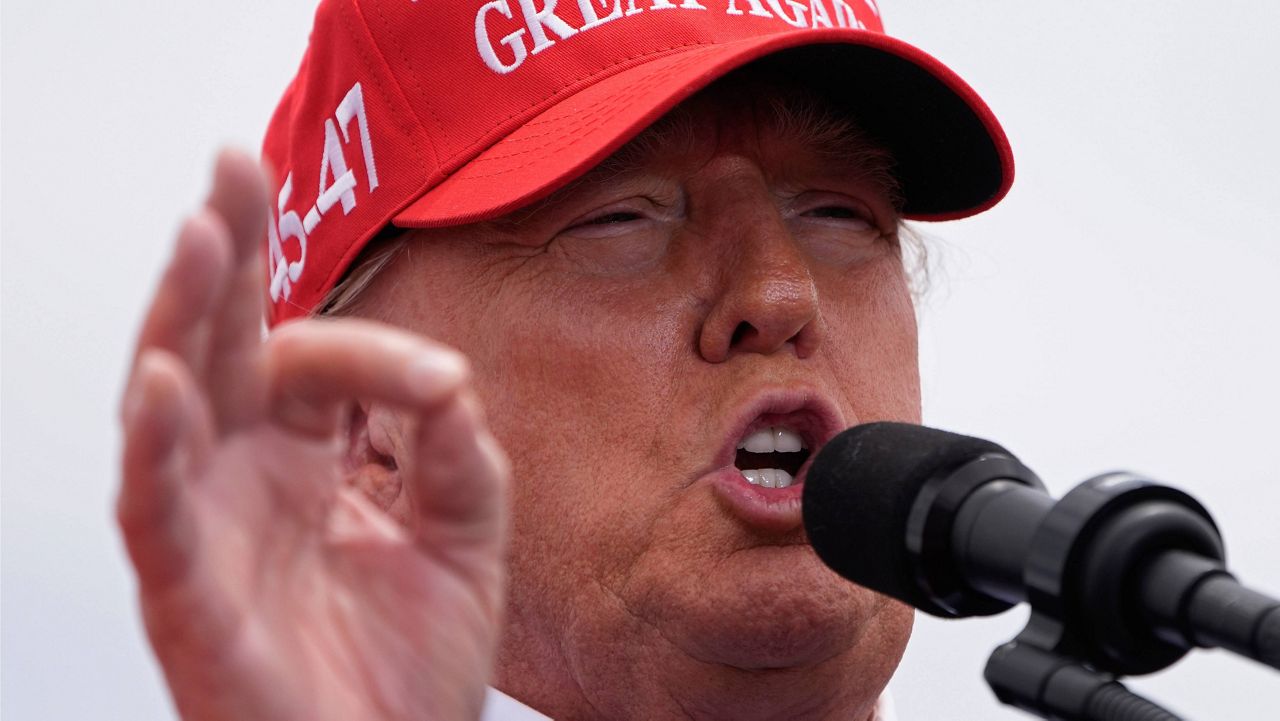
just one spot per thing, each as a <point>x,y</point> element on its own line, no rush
<point>840,212</point>
<point>617,216</point>
<point>843,212</point>
<point>834,212</point>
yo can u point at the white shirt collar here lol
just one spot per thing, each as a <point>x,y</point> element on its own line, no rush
<point>500,707</point>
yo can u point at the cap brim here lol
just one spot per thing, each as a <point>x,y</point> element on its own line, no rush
<point>952,158</point>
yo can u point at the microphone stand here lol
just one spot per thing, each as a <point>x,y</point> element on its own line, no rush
<point>1055,687</point>
<point>1124,576</point>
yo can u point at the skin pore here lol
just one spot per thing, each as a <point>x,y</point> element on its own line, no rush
<point>615,331</point>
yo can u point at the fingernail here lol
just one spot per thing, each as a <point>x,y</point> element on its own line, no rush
<point>433,372</point>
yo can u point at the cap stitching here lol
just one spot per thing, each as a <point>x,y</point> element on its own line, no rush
<point>580,119</point>
<point>596,72</point>
<point>568,132</point>
<point>610,103</point>
<point>413,77</point>
<point>326,280</point>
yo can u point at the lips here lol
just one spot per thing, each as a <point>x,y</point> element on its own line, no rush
<point>804,413</point>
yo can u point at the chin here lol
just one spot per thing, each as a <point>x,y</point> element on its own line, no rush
<point>777,608</point>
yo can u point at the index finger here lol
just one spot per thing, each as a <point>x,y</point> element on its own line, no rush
<point>240,198</point>
<point>187,292</point>
<point>315,367</point>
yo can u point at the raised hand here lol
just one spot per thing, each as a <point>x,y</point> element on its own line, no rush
<point>270,589</point>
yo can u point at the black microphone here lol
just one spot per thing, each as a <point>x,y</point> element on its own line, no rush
<point>1123,573</point>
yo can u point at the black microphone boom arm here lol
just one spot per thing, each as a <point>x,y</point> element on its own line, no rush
<point>1123,575</point>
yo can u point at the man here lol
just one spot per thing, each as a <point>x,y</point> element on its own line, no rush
<point>608,274</point>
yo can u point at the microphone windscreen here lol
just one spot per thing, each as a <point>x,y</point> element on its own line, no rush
<point>858,496</point>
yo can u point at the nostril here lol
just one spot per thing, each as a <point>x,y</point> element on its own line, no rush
<point>740,333</point>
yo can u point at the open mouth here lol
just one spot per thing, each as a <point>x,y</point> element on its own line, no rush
<point>772,455</point>
<point>759,470</point>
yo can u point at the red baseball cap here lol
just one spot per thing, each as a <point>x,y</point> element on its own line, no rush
<point>445,112</point>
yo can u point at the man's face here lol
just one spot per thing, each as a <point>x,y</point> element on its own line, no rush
<point>728,273</point>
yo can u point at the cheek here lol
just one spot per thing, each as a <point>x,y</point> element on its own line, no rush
<point>576,378</point>
<point>872,344</point>
<point>579,399</point>
<point>576,371</point>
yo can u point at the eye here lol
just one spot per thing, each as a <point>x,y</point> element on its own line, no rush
<point>618,216</point>
<point>838,228</point>
<point>629,236</point>
<point>856,219</point>
<point>607,222</point>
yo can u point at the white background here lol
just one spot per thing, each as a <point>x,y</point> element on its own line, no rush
<point>1117,310</point>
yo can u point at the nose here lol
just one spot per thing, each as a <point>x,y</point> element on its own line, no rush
<point>767,301</point>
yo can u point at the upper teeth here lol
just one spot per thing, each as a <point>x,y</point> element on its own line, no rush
<point>772,440</point>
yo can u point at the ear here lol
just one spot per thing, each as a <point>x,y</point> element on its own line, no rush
<point>374,440</point>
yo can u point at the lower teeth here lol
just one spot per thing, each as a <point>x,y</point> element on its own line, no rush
<point>768,477</point>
